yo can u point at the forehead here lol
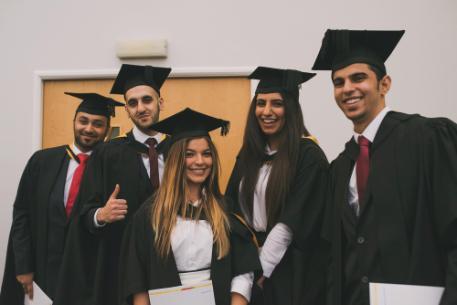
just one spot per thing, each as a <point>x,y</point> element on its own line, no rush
<point>91,117</point>
<point>198,144</point>
<point>269,96</point>
<point>140,91</point>
<point>353,69</point>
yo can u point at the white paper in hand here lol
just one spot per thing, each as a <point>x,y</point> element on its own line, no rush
<point>393,294</point>
<point>197,294</point>
<point>39,297</point>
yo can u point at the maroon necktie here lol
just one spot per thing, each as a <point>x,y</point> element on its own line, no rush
<point>362,166</point>
<point>153,163</point>
<point>75,183</point>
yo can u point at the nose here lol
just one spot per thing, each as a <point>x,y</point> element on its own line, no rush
<point>198,159</point>
<point>267,109</point>
<point>140,107</point>
<point>348,87</point>
<point>89,128</point>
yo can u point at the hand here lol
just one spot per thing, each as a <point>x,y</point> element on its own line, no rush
<point>26,281</point>
<point>114,210</point>
<point>260,281</point>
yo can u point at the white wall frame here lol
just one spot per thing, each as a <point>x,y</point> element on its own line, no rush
<point>43,75</point>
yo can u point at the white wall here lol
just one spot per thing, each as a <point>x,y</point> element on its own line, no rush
<point>67,35</point>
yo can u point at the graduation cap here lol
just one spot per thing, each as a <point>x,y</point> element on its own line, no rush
<point>130,76</point>
<point>94,103</point>
<point>279,80</point>
<point>341,48</point>
<point>190,123</point>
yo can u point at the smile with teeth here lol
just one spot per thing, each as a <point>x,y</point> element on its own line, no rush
<point>198,171</point>
<point>268,121</point>
<point>352,100</point>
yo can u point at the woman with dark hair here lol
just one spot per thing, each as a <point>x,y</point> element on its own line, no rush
<point>278,183</point>
<point>185,234</point>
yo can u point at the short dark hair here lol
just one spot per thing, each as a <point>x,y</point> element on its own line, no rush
<point>379,74</point>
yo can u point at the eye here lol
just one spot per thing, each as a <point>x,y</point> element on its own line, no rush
<point>147,99</point>
<point>98,124</point>
<point>83,120</point>
<point>338,82</point>
<point>189,154</point>
<point>278,103</point>
<point>132,103</point>
<point>359,77</point>
<point>207,153</point>
<point>260,103</point>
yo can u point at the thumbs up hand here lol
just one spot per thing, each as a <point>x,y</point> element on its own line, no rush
<point>114,210</point>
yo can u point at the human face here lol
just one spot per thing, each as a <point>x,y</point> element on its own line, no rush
<point>199,161</point>
<point>89,130</point>
<point>359,94</point>
<point>143,106</point>
<point>270,113</point>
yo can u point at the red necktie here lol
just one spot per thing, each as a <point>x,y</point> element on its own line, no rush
<point>75,182</point>
<point>362,166</point>
<point>153,163</point>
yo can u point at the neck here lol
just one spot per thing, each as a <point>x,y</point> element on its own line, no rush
<point>82,149</point>
<point>194,192</point>
<point>361,124</point>
<point>149,132</point>
<point>273,142</point>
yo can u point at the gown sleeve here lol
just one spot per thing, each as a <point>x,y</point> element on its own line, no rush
<point>134,256</point>
<point>303,210</point>
<point>440,157</point>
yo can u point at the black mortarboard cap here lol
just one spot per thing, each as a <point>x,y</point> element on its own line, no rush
<point>279,80</point>
<point>94,103</point>
<point>189,123</point>
<point>341,48</point>
<point>130,76</point>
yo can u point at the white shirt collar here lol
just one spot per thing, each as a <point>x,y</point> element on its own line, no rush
<point>142,137</point>
<point>269,151</point>
<point>77,151</point>
<point>370,132</point>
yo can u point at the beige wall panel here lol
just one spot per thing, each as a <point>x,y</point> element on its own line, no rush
<point>226,98</point>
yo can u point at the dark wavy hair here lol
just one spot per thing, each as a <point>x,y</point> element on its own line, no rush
<point>252,157</point>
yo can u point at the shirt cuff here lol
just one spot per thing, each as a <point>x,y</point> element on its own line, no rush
<point>96,224</point>
<point>242,284</point>
<point>274,248</point>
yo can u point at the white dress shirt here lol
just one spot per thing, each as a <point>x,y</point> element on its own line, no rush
<point>142,138</point>
<point>280,236</point>
<point>72,165</point>
<point>192,245</point>
<point>369,133</point>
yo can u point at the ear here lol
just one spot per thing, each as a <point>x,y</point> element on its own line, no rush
<point>161,103</point>
<point>384,85</point>
<point>127,110</point>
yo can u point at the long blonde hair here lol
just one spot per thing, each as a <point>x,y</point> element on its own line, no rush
<point>170,200</point>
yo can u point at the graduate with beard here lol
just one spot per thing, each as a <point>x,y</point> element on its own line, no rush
<point>121,175</point>
<point>45,202</point>
<point>392,214</point>
<point>185,234</point>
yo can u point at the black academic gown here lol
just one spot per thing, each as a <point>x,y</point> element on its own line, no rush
<point>141,268</point>
<point>299,278</point>
<point>407,229</point>
<point>36,241</point>
<point>92,254</point>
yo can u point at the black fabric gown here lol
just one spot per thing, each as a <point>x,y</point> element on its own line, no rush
<point>299,278</point>
<point>407,229</point>
<point>92,254</point>
<point>36,240</point>
<point>141,269</point>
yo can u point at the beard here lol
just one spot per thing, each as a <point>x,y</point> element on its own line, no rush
<point>86,145</point>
